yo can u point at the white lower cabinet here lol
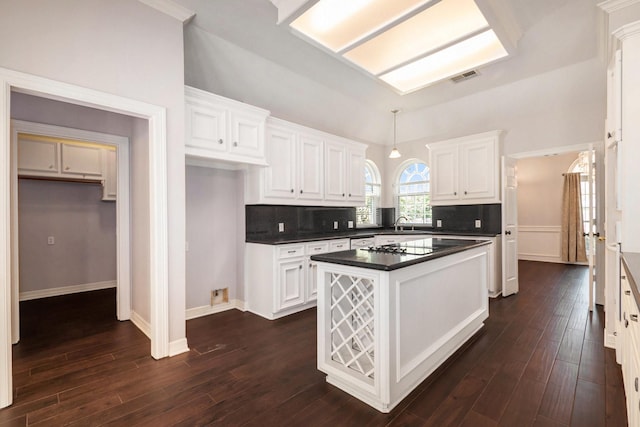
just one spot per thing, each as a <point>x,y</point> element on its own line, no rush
<point>629,335</point>
<point>281,279</point>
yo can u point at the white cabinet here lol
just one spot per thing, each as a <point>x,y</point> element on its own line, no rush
<point>307,167</point>
<point>222,129</point>
<point>296,165</point>
<point>85,161</point>
<point>37,157</point>
<point>344,177</point>
<point>281,279</point>
<point>466,170</point>
<point>46,158</point>
<point>629,334</point>
<point>363,242</point>
<point>110,175</point>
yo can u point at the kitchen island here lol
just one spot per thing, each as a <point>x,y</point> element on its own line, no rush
<point>389,316</point>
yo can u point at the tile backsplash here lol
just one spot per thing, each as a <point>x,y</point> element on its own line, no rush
<point>263,221</point>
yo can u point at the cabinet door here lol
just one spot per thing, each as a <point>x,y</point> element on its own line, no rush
<point>110,175</point>
<point>355,166</point>
<point>206,128</point>
<point>444,174</point>
<point>37,156</point>
<point>280,175</point>
<point>479,170</point>
<point>335,185</point>
<point>312,280</point>
<point>290,287</point>
<point>247,135</point>
<point>339,245</point>
<point>81,160</point>
<point>311,167</point>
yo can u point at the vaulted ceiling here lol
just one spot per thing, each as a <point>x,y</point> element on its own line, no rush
<point>237,49</point>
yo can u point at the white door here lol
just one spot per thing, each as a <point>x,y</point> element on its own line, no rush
<point>509,226</point>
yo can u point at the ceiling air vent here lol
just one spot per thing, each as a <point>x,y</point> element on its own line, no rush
<point>464,76</point>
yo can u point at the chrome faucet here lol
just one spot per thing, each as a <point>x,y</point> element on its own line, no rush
<point>395,225</point>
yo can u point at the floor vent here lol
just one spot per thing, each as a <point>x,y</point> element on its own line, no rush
<point>464,76</point>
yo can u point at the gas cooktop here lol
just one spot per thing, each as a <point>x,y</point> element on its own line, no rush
<point>408,248</point>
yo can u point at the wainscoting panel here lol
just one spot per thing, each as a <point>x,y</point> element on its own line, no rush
<point>539,243</point>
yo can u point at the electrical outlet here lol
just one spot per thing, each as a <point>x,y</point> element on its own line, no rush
<point>350,224</point>
<point>281,227</point>
<point>478,223</point>
<point>438,223</point>
<point>335,225</point>
<point>51,240</point>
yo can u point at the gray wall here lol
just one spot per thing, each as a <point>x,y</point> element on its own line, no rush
<point>84,228</point>
<point>125,48</point>
<point>215,233</point>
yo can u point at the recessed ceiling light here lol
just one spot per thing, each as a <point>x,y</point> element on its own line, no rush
<point>409,44</point>
<point>466,55</point>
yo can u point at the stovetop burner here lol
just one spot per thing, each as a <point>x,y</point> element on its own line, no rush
<point>401,249</point>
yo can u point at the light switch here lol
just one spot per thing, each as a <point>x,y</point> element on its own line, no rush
<point>350,224</point>
<point>438,223</point>
<point>478,223</point>
<point>281,227</point>
<point>51,240</point>
<point>335,225</point>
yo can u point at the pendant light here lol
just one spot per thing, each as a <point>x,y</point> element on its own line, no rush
<point>394,152</point>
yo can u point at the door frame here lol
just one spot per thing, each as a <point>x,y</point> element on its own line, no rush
<point>158,210</point>
<point>123,248</point>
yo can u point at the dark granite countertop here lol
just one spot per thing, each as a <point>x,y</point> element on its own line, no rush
<point>631,262</point>
<point>393,261</point>
<point>361,233</point>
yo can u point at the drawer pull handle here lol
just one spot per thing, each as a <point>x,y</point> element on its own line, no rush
<point>633,317</point>
<point>627,292</point>
<point>220,141</point>
<point>635,383</point>
<point>291,252</point>
<point>300,266</point>
<point>235,144</point>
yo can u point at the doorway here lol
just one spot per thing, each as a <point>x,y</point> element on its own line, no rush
<point>155,199</point>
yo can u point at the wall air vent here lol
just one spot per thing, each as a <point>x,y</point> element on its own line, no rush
<point>464,76</point>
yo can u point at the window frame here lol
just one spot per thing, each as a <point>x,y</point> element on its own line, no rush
<point>376,187</point>
<point>428,219</point>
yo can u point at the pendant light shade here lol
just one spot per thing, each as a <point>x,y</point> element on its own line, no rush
<point>394,152</point>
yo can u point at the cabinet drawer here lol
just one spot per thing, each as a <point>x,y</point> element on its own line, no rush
<point>339,245</point>
<point>317,248</point>
<point>290,251</point>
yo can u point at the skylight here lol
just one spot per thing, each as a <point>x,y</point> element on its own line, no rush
<point>409,44</point>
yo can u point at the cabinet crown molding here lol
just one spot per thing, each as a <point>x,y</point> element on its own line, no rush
<point>611,6</point>
<point>627,31</point>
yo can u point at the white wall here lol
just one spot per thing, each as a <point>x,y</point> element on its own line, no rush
<point>540,187</point>
<point>121,47</point>
<point>560,108</point>
<point>215,232</point>
<point>84,229</point>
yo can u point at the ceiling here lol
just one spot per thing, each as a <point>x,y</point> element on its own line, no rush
<point>553,34</point>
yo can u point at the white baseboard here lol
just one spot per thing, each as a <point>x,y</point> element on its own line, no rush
<point>178,347</point>
<point>66,290</point>
<point>539,257</point>
<point>141,324</point>
<point>206,310</point>
<point>609,340</point>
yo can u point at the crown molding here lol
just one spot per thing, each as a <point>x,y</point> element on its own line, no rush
<point>171,8</point>
<point>611,6</point>
<point>627,31</point>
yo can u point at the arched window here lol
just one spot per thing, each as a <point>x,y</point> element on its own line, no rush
<point>366,215</point>
<point>413,200</point>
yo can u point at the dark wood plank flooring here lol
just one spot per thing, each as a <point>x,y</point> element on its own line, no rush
<point>539,361</point>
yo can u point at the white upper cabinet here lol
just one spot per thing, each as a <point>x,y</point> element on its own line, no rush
<point>307,167</point>
<point>81,160</point>
<point>280,178</point>
<point>49,158</point>
<point>35,156</point>
<point>344,178</point>
<point>219,128</point>
<point>466,170</point>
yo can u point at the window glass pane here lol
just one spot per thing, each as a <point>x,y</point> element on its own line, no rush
<point>413,194</point>
<point>366,214</point>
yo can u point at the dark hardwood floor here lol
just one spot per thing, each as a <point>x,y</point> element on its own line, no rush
<point>539,361</point>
